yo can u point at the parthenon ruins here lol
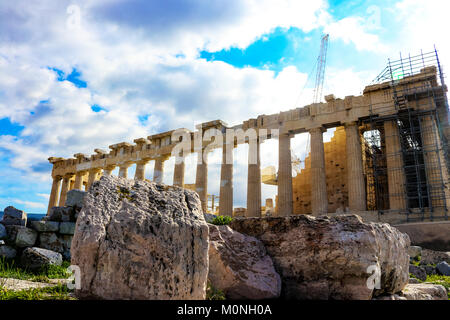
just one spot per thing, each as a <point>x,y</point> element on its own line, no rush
<point>395,153</point>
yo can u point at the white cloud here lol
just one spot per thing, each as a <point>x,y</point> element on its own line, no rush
<point>31,204</point>
<point>355,30</point>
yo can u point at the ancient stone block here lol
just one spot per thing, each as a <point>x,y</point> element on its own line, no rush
<point>67,228</point>
<point>26,237</point>
<point>13,216</point>
<point>332,258</point>
<point>75,198</point>
<point>50,241</point>
<point>443,268</point>
<point>35,258</point>
<point>140,240</point>
<point>45,226</point>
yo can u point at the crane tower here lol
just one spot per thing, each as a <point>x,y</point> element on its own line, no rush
<point>320,75</point>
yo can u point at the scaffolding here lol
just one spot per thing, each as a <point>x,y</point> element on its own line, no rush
<point>418,148</point>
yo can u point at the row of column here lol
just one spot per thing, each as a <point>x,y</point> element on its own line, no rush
<point>61,185</point>
<point>319,200</point>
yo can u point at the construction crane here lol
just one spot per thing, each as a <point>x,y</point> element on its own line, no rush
<point>321,63</point>
<point>320,76</point>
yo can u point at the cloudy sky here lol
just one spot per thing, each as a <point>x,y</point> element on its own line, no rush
<point>77,75</point>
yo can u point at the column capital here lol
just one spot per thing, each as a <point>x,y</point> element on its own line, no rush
<point>109,167</point>
<point>317,130</point>
<point>163,157</point>
<point>143,161</point>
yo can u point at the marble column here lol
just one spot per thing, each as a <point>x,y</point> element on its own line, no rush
<point>54,194</point>
<point>201,179</point>
<point>158,172</point>
<point>319,197</point>
<point>64,189</point>
<point>178,172</point>
<point>355,175</point>
<point>79,180</point>
<point>140,170</point>
<point>93,174</point>
<point>254,180</point>
<point>123,170</point>
<point>285,207</point>
<point>394,164</point>
<point>435,164</point>
<point>226,181</point>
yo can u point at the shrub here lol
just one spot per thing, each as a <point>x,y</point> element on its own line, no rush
<point>221,220</point>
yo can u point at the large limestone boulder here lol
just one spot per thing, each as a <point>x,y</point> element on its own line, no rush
<point>332,258</point>
<point>240,266</point>
<point>141,240</point>
<point>424,291</point>
<point>13,216</point>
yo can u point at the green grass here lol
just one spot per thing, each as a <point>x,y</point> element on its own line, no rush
<point>213,293</point>
<point>222,220</point>
<point>12,269</point>
<point>57,292</point>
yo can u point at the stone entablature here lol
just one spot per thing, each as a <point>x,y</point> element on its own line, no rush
<point>377,101</point>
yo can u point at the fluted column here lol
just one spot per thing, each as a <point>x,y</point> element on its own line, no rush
<point>254,180</point>
<point>64,188</point>
<point>93,173</point>
<point>158,172</point>
<point>123,170</point>
<point>355,178</point>
<point>285,207</point>
<point>394,164</point>
<point>319,198</point>
<point>201,179</point>
<point>226,181</point>
<point>79,180</point>
<point>140,170</point>
<point>435,164</point>
<point>54,193</point>
<point>178,172</point>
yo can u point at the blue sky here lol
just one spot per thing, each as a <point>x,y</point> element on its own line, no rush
<point>80,75</point>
